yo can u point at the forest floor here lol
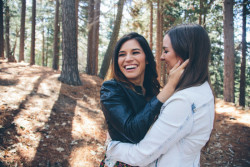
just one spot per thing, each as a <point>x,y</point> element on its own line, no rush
<point>44,122</point>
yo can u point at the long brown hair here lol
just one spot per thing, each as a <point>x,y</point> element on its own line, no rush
<point>150,83</point>
<point>191,41</point>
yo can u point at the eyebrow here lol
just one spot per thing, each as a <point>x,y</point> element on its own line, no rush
<point>132,50</point>
<point>164,47</point>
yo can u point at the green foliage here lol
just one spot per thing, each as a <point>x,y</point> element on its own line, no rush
<point>136,17</point>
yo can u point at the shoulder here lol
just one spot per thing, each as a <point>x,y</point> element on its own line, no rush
<point>110,88</point>
<point>197,95</point>
<point>110,84</point>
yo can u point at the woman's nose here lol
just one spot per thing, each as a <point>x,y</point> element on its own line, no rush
<point>162,57</point>
<point>128,57</point>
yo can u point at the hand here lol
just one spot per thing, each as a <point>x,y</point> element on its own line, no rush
<point>176,72</point>
<point>173,79</point>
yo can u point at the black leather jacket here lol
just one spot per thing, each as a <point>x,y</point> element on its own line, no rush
<point>128,114</point>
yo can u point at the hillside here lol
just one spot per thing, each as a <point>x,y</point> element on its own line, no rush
<point>46,123</point>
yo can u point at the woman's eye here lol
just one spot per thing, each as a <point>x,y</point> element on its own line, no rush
<point>121,55</point>
<point>165,51</point>
<point>136,53</point>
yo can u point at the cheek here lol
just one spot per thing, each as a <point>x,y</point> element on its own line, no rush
<point>120,63</point>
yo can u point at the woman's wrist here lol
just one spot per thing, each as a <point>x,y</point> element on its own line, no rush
<point>166,93</point>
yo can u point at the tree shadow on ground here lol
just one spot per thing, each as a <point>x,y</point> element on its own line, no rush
<point>10,114</point>
<point>56,146</point>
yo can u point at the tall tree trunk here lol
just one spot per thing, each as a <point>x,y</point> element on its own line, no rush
<point>201,11</point>
<point>90,51</point>
<point>55,65</point>
<point>96,36</point>
<point>43,47</point>
<point>11,58</point>
<point>163,64</point>
<point>109,53</point>
<point>1,31</point>
<point>22,32</point>
<point>151,25</point>
<point>243,61</point>
<point>13,51</point>
<point>47,49</point>
<point>229,60</point>
<point>33,33</point>
<point>69,73</point>
<point>76,6</point>
<point>158,38</point>
<point>93,37</point>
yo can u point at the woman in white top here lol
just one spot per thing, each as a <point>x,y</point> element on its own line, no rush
<point>186,119</point>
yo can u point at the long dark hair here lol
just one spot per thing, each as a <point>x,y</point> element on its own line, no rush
<point>150,83</point>
<point>191,41</point>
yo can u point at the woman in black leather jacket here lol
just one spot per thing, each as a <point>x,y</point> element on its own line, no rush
<point>130,100</point>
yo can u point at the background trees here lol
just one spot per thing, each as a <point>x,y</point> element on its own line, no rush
<point>229,60</point>
<point>55,65</point>
<point>1,30</point>
<point>95,39</point>
<point>33,34</point>
<point>69,74</point>
<point>113,39</point>
<point>22,31</point>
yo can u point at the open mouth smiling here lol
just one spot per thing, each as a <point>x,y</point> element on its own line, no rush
<point>130,67</point>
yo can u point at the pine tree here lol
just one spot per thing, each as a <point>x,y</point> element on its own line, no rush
<point>22,31</point>
<point>229,60</point>
<point>33,34</point>
<point>1,30</point>
<point>69,73</point>
<point>109,53</point>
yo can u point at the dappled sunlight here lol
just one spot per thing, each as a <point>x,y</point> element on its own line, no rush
<point>235,114</point>
<point>33,117</point>
<point>87,129</point>
<point>85,124</point>
<point>83,156</point>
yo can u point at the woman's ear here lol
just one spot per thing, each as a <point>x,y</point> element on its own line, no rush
<point>180,59</point>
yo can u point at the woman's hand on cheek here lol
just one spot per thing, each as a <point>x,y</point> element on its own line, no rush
<point>176,72</point>
<point>173,79</point>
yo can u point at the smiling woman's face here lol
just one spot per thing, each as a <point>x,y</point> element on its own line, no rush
<point>132,61</point>
<point>169,56</point>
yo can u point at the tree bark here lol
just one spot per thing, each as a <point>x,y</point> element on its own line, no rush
<point>109,53</point>
<point>158,38</point>
<point>163,64</point>
<point>90,52</point>
<point>69,73</point>
<point>93,37</point>
<point>96,36</point>
<point>243,60</point>
<point>33,33</point>
<point>11,58</point>
<point>76,6</point>
<point>151,25</point>
<point>43,48</point>
<point>22,32</point>
<point>55,65</point>
<point>1,31</point>
<point>229,60</point>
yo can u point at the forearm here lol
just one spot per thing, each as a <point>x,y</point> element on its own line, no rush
<point>166,93</point>
<point>169,128</point>
<point>133,126</point>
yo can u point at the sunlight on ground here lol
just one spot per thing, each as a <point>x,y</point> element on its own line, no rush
<point>86,129</point>
<point>33,118</point>
<point>237,115</point>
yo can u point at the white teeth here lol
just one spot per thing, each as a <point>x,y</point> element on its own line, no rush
<point>130,67</point>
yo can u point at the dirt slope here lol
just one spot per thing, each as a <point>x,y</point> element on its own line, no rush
<point>46,123</point>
